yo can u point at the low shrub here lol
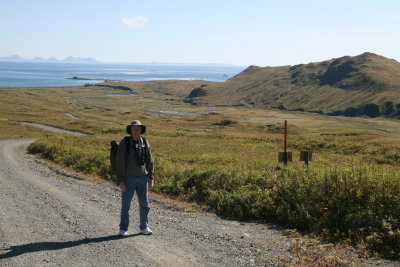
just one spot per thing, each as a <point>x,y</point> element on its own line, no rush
<point>341,198</point>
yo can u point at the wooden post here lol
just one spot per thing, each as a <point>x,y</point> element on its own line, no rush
<point>285,159</point>
<point>285,143</point>
<point>285,156</point>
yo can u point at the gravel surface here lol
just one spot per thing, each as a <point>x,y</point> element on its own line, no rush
<point>54,129</point>
<point>50,217</point>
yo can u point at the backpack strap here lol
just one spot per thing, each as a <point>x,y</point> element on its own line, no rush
<point>145,144</point>
<point>127,151</point>
<point>144,152</point>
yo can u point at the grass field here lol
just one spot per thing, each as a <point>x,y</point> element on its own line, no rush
<point>226,158</point>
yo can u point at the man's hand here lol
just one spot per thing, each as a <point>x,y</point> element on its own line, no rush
<point>150,184</point>
<point>122,186</point>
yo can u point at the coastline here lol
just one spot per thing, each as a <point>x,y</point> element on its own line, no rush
<point>56,74</point>
<point>88,79</point>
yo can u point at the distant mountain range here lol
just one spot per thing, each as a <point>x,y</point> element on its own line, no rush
<point>16,58</point>
<point>364,85</point>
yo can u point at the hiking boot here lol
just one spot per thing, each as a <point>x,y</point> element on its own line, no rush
<point>146,231</point>
<point>123,233</point>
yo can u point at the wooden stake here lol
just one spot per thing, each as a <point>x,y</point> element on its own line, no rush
<point>285,156</point>
<point>285,144</point>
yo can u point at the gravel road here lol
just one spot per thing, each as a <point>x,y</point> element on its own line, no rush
<point>49,217</point>
<point>54,129</point>
<point>52,219</point>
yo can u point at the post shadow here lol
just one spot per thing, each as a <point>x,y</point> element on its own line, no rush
<point>42,246</point>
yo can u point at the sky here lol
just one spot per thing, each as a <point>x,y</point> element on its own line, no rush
<point>246,32</point>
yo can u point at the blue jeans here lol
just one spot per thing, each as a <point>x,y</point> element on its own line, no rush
<point>138,184</point>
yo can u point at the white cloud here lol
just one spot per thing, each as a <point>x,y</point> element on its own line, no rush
<point>137,22</point>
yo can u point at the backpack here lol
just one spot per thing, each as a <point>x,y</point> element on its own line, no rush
<point>114,148</point>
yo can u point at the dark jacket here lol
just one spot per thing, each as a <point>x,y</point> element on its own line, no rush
<point>128,164</point>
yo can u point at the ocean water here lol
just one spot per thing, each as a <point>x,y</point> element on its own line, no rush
<point>57,74</point>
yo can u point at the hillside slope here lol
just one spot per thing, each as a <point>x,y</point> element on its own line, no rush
<point>367,84</point>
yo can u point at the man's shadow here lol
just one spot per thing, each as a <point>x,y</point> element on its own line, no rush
<point>41,246</point>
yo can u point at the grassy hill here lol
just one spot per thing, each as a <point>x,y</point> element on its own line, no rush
<point>364,85</point>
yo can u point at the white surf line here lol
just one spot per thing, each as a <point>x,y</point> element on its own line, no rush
<point>54,129</point>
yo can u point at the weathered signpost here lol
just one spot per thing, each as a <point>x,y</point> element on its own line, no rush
<point>305,156</point>
<point>285,156</point>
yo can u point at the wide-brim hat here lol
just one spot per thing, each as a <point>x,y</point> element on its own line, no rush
<point>134,123</point>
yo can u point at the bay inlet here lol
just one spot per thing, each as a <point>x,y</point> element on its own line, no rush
<point>33,74</point>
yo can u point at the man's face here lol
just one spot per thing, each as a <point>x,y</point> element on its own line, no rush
<point>136,130</point>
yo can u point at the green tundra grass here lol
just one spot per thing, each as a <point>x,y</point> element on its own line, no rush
<point>226,158</point>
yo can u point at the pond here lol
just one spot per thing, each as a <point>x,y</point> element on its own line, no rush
<point>120,95</point>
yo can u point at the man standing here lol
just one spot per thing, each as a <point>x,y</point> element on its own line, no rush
<point>135,173</point>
